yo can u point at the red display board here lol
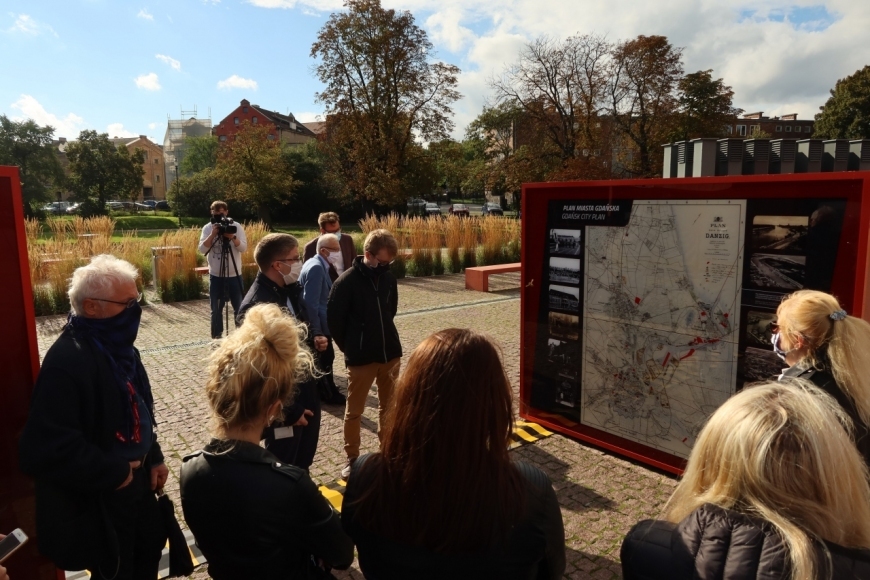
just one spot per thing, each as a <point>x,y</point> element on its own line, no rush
<point>647,303</point>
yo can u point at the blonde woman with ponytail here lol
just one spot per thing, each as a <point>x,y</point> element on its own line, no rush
<point>252,515</point>
<point>773,489</point>
<point>821,343</point>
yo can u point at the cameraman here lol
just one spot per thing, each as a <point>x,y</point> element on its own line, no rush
<point>227,283</point>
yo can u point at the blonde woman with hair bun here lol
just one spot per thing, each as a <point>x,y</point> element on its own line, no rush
<point>822,344</point>
<point>252,515</point>
<point>773,489</point>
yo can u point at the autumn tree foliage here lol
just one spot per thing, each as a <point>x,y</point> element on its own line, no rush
<point>383,91</point>
<point>846,114</point>
<point>705,107</point>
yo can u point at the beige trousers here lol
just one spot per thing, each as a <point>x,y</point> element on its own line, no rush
<point>359,382</point>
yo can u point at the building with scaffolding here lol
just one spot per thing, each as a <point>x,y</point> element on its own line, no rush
<point>177,130</point>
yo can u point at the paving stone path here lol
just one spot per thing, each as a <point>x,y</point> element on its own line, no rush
<point>601,495</point>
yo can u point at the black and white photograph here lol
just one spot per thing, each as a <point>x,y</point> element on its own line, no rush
<point>565,242</point>
<point>776,233</point>
<point>563,354</point>
<point>566,270</point>
<point>758,327</point>
<point>565,326</point>
<point>566,391</point>
<point>761,365</point>
<point>564,297</point>
<point>776,272</point>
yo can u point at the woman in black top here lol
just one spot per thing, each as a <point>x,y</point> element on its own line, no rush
<point>252,515</point>
<point>443,499</point>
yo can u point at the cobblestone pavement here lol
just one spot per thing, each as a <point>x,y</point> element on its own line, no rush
<point>601,495</point>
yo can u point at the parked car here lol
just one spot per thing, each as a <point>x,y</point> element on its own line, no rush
<point>73,209</point>
<point>142,207</point>
<point>416,206</point>
<point>433,209</point>
<point>150,203</point>
<point>491,209</point>
<point>57,207</point>
<point>459,209</point>
<point>162,204</point>
<point>120,205</point>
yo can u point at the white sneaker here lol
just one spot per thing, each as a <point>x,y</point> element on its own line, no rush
<point>345,472</point>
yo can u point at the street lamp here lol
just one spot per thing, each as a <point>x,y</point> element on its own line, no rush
<point>175,201</point>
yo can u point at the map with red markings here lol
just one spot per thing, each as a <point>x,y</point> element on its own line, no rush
<point>662,297</point>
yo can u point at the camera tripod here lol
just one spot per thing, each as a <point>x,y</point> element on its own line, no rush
<point>226,258</point>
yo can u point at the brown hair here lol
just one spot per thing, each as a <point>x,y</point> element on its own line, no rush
<point>329,217</point>
<point>272,247</point>
<point>218,205</point>
<point>377,240</point>
<point>444,479</point>
<point>256,365</point>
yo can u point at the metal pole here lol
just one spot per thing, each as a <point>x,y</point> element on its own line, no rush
<point>175,201</point>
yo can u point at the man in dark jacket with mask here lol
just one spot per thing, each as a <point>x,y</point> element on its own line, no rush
<point>90,440</point>
<point>360,312</point>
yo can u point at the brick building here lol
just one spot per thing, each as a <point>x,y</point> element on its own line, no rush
<point>782,127</point>
<point>154,180</point>
<point>283,127</point>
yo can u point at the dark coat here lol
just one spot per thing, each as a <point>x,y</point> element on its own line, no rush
<point>360,314</point>
<point>348,253</point>
<point>535,548</point>
<point>825,381</point>
<point>255,517</point>
<point>265,291</point>
<point>713,542</point>
<point>67,447</point>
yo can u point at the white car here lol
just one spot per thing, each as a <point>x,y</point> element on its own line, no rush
<point>57,207</point>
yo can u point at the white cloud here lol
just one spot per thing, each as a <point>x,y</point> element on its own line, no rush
<point>308,117</point>
<point>152,126</point>
<point>148,82</point>
<point>30,108</point>
<point>118,130</point>
<point>445,29</point>
<point>145,15</point>
<point>25,24</point>
<point>212,2</point>
<point>237,82</point>
<point>169,60</point>
<point>287,4</point>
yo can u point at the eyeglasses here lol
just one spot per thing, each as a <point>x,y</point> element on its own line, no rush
<point>291,260</point>
<point>386,263</point>
<point>128,304</point>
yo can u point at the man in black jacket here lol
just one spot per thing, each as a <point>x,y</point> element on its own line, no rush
<point>360,312</point>
<point>90,440</point>
<point>293,440</point>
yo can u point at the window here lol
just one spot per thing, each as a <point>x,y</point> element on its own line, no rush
<point>223,137</point>
<point>271,137</point>
<point>157,178</point>
<point>753,129</point>
<point>808,129</point>
<point>778,129</point>
<point>155,162</point>
<point>244,109</point>
<point>741,130</point>
<point>788,129</point>
<point>235,120</point>
<point>730,129</point>
<point>254,120</point>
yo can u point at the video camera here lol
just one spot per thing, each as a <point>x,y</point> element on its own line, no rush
<point>225,225</point>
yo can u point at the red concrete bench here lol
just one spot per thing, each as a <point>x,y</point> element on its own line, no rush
<point>202,271</point>
<point>477,278</point>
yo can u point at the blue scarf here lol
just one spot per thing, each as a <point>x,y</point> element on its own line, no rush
<point>114,337</point>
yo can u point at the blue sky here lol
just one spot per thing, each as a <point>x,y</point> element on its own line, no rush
<point>123,67</point>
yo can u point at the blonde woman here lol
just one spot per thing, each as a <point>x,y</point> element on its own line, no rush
<point>252,515</point>
<point>821,343</point>
<point>773,489</point>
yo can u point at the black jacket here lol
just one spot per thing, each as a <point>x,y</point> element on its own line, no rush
<point>67,446</point>
<point>535,548</point>
<point>713,542</point>
<point>265,291</point>
<point>360,314</point>
<point>255,517</point>
<point>825,381</point>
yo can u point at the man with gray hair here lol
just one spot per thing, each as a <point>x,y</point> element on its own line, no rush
<point>90,440</point>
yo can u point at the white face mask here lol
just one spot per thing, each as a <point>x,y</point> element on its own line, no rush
<point>295,270</point>
<point>332,257</point>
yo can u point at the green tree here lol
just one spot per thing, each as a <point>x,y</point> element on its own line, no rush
<point>846,114</point>
<point>255,170</point>
<point>382,91</point>
<point>28,146</point>
<point>199,153</point>
<point>191,195</point>
<point>705,107</point>
<point>99,171</point>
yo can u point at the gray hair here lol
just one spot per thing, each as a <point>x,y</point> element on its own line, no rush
<point>97,279</point>
<point>321,241</point>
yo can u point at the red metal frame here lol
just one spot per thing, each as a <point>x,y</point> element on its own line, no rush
<point>850,285</point>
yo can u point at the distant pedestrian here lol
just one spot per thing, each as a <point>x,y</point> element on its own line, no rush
<point>223,250</point>
<point>362,305</point>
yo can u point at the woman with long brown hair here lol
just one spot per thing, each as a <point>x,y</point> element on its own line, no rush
<point>443,499</point>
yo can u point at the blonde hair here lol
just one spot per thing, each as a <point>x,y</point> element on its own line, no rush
<point>806,316</point>
<point>256,365</point>
<point>781,452</point>
<point>377,240</point>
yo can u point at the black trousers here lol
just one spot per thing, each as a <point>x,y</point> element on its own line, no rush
<point>134,514</point>
<point>299,450</point>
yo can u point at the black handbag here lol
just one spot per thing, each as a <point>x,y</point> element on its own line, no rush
<point>180,560</point>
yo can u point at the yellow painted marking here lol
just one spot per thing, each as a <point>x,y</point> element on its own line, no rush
<point>333,496</point>
<point>193,557</point>
<point>534,426</point>
<point>523,435</point>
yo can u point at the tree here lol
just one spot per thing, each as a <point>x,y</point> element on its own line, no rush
<point>99,171</point>
<point>846,114</point>
<point>254,170</point>
<point>705,107</point>
<point>200,153</point>
<point>382,91</point>
<point>191,195</point>
<point>643,102</point>
<point>29,146</point>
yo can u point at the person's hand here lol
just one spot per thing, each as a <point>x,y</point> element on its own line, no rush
<point>303,420</point>
<point>229,236</point>
<point>320,343</point>
<point>159,474</point>
<point>133,465</point>
<point>3,574</point>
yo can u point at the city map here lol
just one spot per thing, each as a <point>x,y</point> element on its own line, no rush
<point>660,320</point>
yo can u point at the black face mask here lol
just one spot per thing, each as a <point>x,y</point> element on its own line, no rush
<point>380,269</point>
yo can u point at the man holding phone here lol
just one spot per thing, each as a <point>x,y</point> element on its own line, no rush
<point>90,440</point>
